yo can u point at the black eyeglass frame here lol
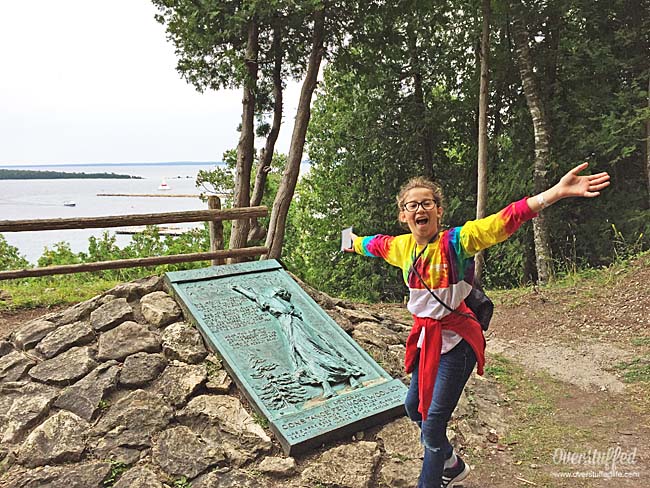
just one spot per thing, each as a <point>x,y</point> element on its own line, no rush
<point>424,204</point>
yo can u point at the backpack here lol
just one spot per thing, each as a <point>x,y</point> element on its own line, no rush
<point>479,303</point>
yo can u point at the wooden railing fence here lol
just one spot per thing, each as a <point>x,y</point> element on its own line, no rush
<point>214,216</point>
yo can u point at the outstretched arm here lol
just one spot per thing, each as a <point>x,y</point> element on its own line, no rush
<point>570,185</point>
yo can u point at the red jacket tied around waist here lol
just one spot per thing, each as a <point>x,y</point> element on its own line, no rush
<point>429,357</point>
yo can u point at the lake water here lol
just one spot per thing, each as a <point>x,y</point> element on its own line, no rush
<point>41,199</point>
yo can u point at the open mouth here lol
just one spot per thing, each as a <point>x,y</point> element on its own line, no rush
<point>422,220</point>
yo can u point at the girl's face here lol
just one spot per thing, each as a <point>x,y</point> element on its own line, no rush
<point>422,223</point>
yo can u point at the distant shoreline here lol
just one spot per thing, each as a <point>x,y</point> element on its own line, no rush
<point>69,165</point>
<point>23,174</point>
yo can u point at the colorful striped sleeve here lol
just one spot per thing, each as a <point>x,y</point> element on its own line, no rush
<point>483,233</point>
<point>389,248</point>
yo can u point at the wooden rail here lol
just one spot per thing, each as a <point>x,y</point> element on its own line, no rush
<point>133,219</point>
<point>133,263</point>
<point>214,215</point>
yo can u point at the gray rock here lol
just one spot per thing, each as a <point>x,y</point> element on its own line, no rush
<point>219,382</point>
<point>137,288</point>
<point>183,342</point>
<point>5,348</point>
<point>60,439</point>
<point>232,479</point>
<point>80,311</point>
<point>65,337</point>
<point>66,368</point>
<point>129,424</point>
<point>278,466</point>
<point>141,368</point>
<point>139,477</point>
<point>179,382</point>
<point>126,339</point>
<point>159,309</point>
<point>356,316</point>
<point>180,452</point>
<point>27,410</point>
<point>402,439</point>
<point>347,466</point>
<point>86,475</point>
<point>10,391</point>
<point>400,474</point>
<point>14,366</point>
<point>222,420</point>
<point>374,333</point>
<point>31,333</point>
<point>111,314</point>
<point>343,322</point>
<point>84,397</point>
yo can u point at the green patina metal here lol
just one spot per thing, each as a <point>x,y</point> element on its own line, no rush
<point>295,365</point>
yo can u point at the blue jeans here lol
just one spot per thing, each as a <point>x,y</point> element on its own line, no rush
<point>453,372</point>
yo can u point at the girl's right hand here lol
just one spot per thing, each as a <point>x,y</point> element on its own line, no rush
<point>351,249</point>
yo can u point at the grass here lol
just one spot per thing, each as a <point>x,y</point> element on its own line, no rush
<point>636,370</point>
<point>53,290</point>
<point>213,368</point>
<point>261,420</point>
<point>591,281</point>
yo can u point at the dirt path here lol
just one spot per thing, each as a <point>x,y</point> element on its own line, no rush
<point>582,356</point>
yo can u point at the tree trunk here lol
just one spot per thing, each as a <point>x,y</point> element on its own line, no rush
<point>275,234</point>
<point>266,154</point>
<point>542,143</point>
<point>245,148</point>
<point>424,132</point>
<point>481,186</point>
<point>647,145</point>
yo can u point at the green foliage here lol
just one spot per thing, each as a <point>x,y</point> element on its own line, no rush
<point>54,290</point>
<point>10,257</point>
<point>182,482</point>
<point>261,420</point>
<point>22,174</point>
<point>59,254</point>
<point>117,470</point>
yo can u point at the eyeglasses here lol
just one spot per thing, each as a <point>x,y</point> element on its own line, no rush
<point>413,206</point>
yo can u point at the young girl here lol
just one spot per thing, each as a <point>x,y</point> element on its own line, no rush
<point>443,347</point>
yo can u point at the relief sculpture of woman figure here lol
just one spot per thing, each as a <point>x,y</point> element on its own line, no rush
<point>315,360</point>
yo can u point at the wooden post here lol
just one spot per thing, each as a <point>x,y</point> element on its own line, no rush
<point>216,229</point>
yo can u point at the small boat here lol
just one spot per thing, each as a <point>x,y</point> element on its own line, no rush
<point>164,186</point>
<point>69,203</point>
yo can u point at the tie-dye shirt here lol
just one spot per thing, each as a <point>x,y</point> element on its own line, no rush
<point>447,265</point>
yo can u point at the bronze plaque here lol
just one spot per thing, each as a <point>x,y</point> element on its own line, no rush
<point>295,365</point>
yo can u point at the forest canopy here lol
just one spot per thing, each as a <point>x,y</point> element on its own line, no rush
<point>517,91</point>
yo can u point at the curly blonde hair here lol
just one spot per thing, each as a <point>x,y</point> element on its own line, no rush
<point>419,182</point>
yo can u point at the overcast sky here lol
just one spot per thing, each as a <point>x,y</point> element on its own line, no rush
<point>90,81</point>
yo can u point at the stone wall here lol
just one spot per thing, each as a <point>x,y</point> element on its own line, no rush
<point>121,391</point>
